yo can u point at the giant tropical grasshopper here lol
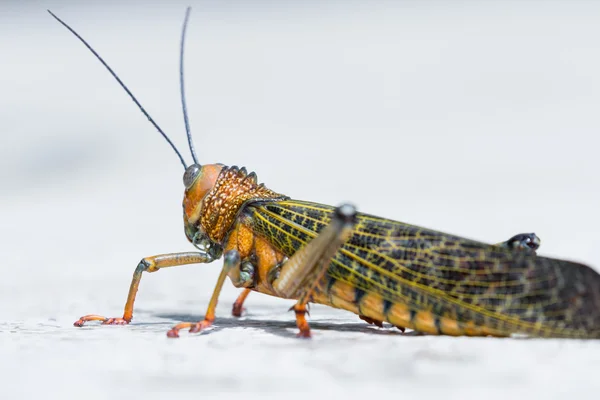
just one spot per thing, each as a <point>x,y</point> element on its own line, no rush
<point>379,269</point>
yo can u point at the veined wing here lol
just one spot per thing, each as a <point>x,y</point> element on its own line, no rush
<point>506,290</point>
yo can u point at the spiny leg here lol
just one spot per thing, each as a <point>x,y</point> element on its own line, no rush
<point>148,264</point>
<point>238,305</point>
<point>300,274</point>
<point>231,264</point>
<point>522,241</point>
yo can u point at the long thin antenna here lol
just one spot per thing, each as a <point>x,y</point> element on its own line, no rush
<point>182,86</point>
<point>123,86</point>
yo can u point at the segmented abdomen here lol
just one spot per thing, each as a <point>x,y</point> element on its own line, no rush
<point>444,283</point>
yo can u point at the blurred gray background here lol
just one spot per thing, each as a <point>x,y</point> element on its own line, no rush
<point>476,118</point>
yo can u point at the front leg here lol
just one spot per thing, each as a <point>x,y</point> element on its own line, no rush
<point>148,264</point>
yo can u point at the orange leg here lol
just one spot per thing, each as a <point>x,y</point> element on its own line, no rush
<point>148,264</point>
<point>231,264</point>
<point>238,308</point>
<point>209,317</point>
<point>304,329</point>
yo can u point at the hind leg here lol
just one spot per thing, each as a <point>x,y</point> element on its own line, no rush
<point>148,264</point>
<point>300,274</point>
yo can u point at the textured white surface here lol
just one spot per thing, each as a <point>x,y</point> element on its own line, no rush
<point>476,118</point>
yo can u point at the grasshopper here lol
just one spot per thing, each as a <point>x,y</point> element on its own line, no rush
<point>379,269</point>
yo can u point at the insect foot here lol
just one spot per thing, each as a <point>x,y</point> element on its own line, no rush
<point>194,327</point>
<point>105,321</point>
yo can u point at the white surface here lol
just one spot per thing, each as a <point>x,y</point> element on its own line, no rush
<point>479,119</point>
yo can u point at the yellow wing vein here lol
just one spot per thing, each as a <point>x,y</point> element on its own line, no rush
<point>395,262</point>
<point>433,292</point>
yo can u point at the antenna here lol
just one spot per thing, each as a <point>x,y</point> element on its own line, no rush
<point>182,86</point>
<point>124,87</point>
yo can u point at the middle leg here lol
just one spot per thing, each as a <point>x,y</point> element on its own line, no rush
<point>231,267</point>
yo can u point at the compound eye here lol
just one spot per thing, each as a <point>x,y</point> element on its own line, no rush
<point>190,175</point>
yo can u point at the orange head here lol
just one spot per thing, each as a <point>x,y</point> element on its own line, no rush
<point>198,181</point>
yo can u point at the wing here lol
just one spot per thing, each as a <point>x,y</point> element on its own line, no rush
<point>468,281</point>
